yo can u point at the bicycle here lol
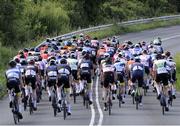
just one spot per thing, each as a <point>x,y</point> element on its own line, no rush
<point>15,107</point>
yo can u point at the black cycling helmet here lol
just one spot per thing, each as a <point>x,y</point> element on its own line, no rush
<point>12,64</point>
<point>137,59</point>
<point>63,61</point>
<point>158,56</point>
<point>31,62</point>
<point>17,60</point>
<point>73,56</point>
<point>52,62</point>
<point>23,62</point>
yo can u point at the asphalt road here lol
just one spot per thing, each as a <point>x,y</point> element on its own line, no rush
<point>148,114</point>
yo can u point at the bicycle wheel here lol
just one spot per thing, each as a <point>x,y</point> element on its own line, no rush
<point>15,116</point>
<point>87,101</point>
<point>109,106</point>
<point>64,110</point>
<point>137,104</point>
<point>74,94</point>
<point>54,105</point>
<point>30,105</point>
<point>120,100</point>
<point>133,99</point>
<point>163,110</point>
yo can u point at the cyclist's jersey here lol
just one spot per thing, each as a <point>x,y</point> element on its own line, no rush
<point>158,48</point>
<point>85,66</point>
<point>73,63</point>
<point>106,68</point>
<point>146,60</point>
<point>101,52</point>
<point>160,66</point>
<point>129,63</point>
<point>64,70</point>
<point>94,43</point>
<point>31,71</point>
<point>127,54</point>
<point>137,67</point>
<point>171,66</point>
<point>42,65</point>
<point>89,49</point>
<point>18,65</point>
<point>137,51</point>
<point>52,72</point>
<point>13,74</point>
<point>120,67</point>
<point>22,69</point>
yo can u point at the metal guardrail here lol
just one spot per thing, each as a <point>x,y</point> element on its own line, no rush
<point>101,27</point>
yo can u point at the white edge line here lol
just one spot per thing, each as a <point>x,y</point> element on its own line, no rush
<point>92,113</point>
<point>175,36</point>
<point>98,105</point>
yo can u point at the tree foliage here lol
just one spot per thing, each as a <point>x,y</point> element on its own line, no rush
<point>23,20</point>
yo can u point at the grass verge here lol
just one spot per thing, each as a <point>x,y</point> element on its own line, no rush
<point>117,30</point>
<point>6,53</point>
<point>177,59</point>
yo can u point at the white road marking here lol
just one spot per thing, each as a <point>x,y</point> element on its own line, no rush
<point>92,111</point>
<point>98,104</point>
<point>172,37</point>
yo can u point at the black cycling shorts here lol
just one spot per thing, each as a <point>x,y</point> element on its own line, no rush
<point>120,77</point>
<point>74,74</point>
<point>147,71</point>
<point>32,80</point>
<point>85,76</point>
<point>162,78</point>
<point>13,84</point>
<point>138,76</point>
<point>108,78</point>
<point>51,82</point>
<point>63,80</point>
<point>42,73</point>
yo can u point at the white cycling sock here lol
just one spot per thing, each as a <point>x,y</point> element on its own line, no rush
<point>49,92</point>
<point>59,93</point>
<point>81,85</point>
<point>69,108</point>
<point>10,97</point>
<point>35,103</point>
<point>173,91</point>
<point>90,95</point>
<point>26,90</point>
<point>157,88</point>
<point>20,107</point>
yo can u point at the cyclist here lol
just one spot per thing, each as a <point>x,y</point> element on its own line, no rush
<point>51,77</point>
<point>137,74</point>
<point>158,46</point>
<point>86,72</point>
<point>64,81</point>
<point>120,72</point>
<point>73,62</point>
<point>161,75</point>
<point>108,77</point>
<point>14,81</point>
<point>31,73</point>
<point>147,62</point>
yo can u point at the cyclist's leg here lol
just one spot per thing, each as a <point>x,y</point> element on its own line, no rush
<point>50,85</point>
<point>59,87</point>
<point>120,78</point>
<point>67,92</point>
<point>157,85</point>
<point>105,90</point>
<point>34,93</point>
<point>89,87</point>
<point>164,79</point>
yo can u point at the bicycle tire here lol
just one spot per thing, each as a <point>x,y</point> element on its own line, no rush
<point>55,111</point>
<point>64,110</point>
<point>120,101</point>
<point>74,95</point>
<point>133,99</point>
<point>15,116</point>
<point>163,110</point>
<point>109,106</point>
<point>87,101</point>
<point>30,106</point>
<point>137,104</point>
